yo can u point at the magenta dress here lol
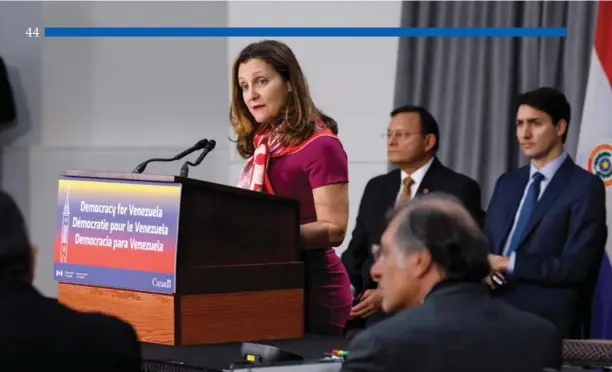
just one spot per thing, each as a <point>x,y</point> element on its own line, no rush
<point>328,288</point>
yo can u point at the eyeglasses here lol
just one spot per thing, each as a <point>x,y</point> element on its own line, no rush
<point>400,135</point>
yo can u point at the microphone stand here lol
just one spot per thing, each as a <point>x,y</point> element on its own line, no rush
<point>198,146</point>
<point>207,148</point>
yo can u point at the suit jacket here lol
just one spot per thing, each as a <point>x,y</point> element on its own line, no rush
<point>40,334</point>
<point>557,260</point>
<point>380,196</point>
<point>459,327</point>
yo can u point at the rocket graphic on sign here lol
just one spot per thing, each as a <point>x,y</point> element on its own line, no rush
<point>65,226</point>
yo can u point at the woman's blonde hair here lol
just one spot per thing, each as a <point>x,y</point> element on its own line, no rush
<point>300,113</point>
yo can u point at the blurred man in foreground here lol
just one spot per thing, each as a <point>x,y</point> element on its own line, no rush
<point>431,267</point>
<point>38,333</point>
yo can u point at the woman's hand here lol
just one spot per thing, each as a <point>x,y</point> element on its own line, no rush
<point>332,208</point>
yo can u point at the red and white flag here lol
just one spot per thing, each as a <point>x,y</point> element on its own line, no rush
<point>595,155</point>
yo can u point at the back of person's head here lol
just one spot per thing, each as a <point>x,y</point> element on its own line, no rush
<point>289,103</point>
<point>550,101</point>
<point>440,224</point>
<point>429,239</point>
<point>15,248</point>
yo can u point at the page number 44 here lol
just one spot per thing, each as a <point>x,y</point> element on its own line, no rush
<point>32,32</point>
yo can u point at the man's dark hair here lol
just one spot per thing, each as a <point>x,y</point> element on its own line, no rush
<point>429,125</point>
<point>15,249</point>
<point>551,101</point>
<point>440,223</point>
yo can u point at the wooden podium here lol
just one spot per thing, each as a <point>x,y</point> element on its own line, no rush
<point>237,272</point>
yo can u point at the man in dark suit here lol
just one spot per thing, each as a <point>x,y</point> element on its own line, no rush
<point>413,138</point>
<point>38,333</point>
<point>546,222</point>
<point>431,270</point>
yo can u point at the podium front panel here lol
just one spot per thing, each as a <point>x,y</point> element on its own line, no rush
<point>117,233</point>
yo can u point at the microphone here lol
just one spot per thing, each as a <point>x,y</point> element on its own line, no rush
<point>208,147</point>
<point>198,146</point>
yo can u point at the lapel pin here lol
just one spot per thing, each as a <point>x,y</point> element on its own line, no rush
<point>425,191</point>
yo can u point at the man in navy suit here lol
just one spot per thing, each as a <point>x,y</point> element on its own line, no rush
<point>546,222</point>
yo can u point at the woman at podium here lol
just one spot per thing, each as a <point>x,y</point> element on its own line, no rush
<point>292,150</point>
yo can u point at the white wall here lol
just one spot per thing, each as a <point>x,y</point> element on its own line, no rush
<point>108,104</point>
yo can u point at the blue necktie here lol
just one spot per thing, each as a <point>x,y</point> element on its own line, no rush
<point>530,202</point>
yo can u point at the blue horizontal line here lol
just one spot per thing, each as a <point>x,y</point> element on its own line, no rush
<point>305,32</point>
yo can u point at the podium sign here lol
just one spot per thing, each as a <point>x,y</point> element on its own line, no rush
<point>117,233</point>
<point>119,251</point>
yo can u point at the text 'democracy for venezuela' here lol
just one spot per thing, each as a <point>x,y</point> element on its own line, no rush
<point>119,234</point>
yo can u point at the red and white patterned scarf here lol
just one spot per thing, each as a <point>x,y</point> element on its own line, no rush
<point>268,145</point>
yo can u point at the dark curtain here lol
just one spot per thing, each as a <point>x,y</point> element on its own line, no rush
<point>470,84</point>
